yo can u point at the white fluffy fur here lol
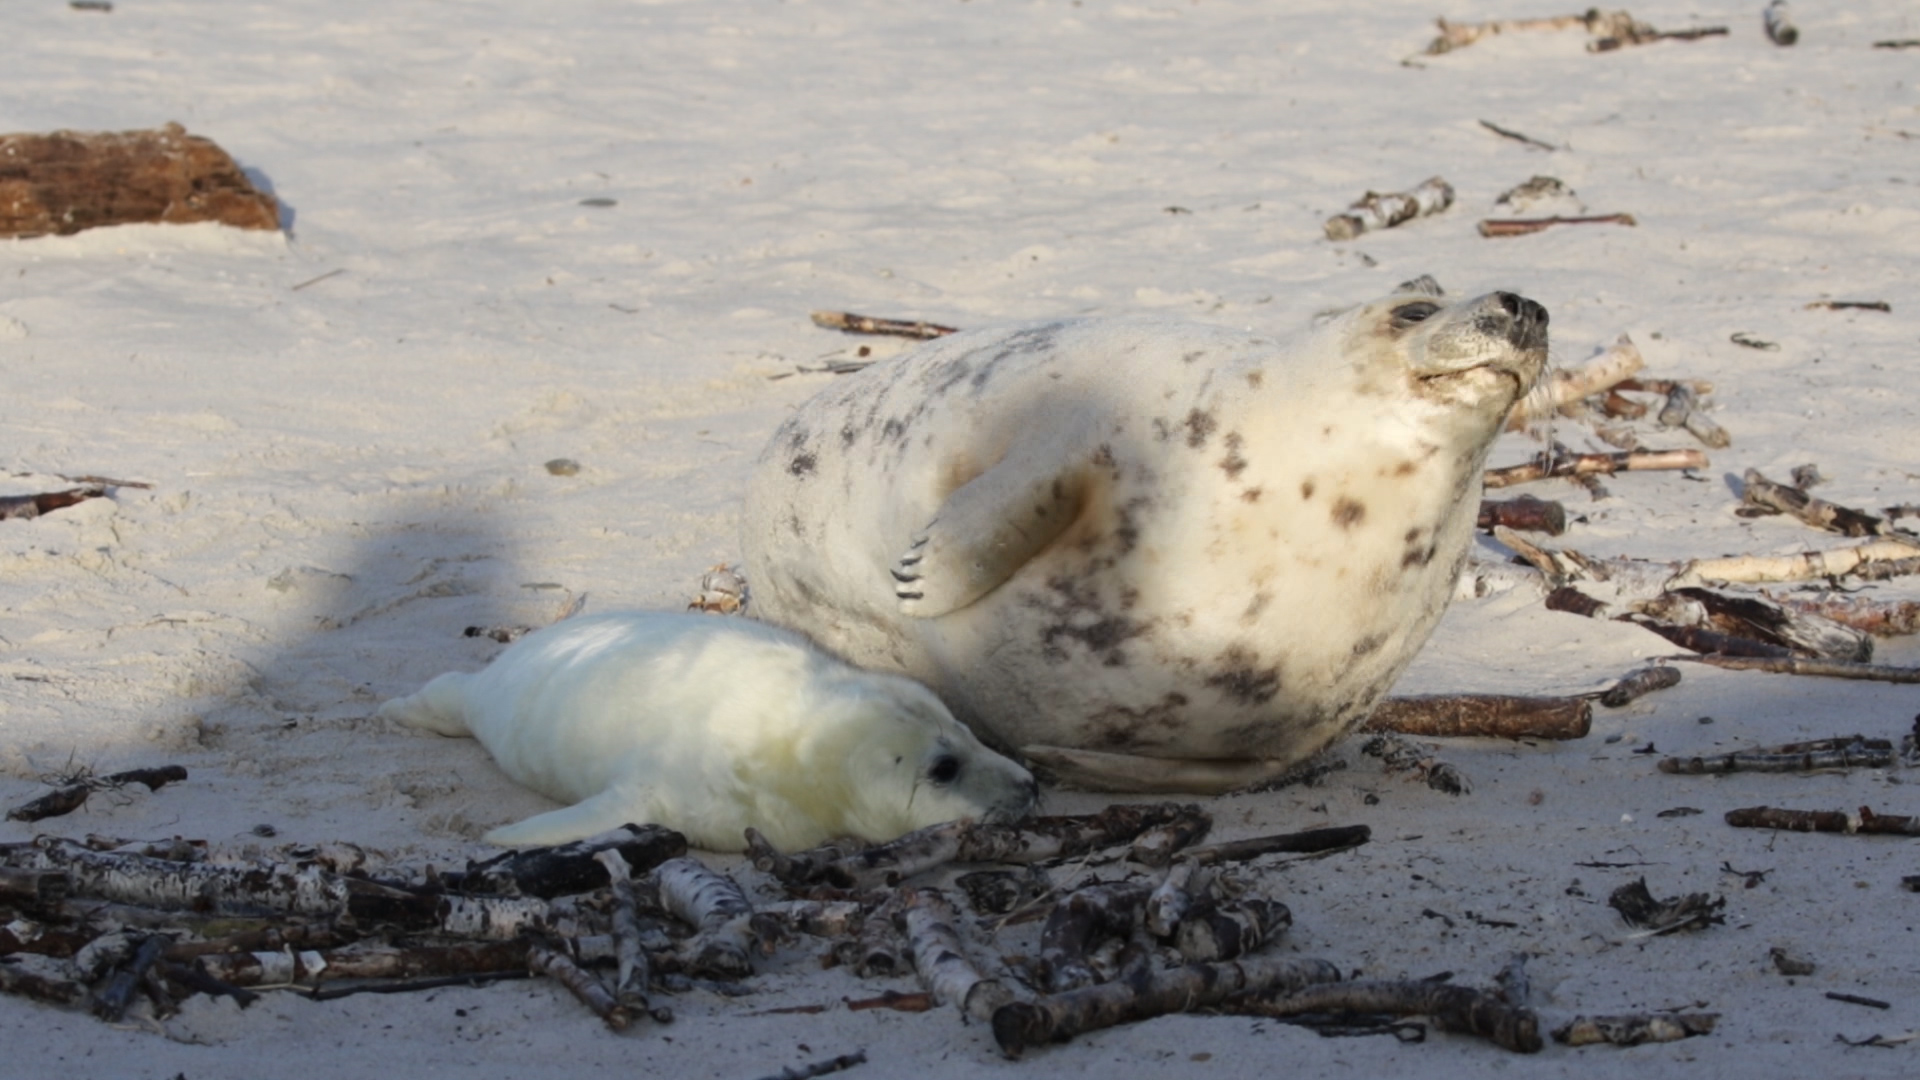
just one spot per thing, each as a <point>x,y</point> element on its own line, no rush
<point>709,725</point>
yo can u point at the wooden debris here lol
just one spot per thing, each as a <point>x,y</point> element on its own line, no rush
<point>1881,618</point>
<point>1305,842</point>
<point>1639,33</point>
<point>719,912</point>
<point>1639,684</point>
<point>867,324</point>
<point>1682,410</point>
<point>1839,562</point>
<point>1141,993</point>
<point>820,1068</point>
<point>1568,465</point>
<point>1230,929</point>
<point>1399,755</point>
<point>1376,210</point>
<point>569,868</point>
<point>1763,496</point>
<point>1694,911</point>
<point>723,591</point>
<point>1845,752</point>
<point>1498,227</point>
<point>941,960</point>
<point>1896,43</point>
<point>894,1000</point>
<point>110,1002</point>
<point>1833,821</point>
<point>1457,1009</point>
<point>1079,922</point>
<point>1856,999</point>
<point>1850,305</point>
<point>630,984</point>
<point>1525,514</point>
<point>72,795</point>
<point>53,991</point>
<point>1778,22</point>
<point>1508,133</point>
<point>1634,1029</point>
<point>1001,892</point>
<point>1800,665</point>
<point>1157,846</point>
<point>1170,900</point>
<point>1502,716</point>
<point>1739,625</point>
<point>1708,641</point>
<point>22,507</point>
<point>1563,387</point>
<point>1456,35</point>
<point>66,181</point>
<point>555,965</point>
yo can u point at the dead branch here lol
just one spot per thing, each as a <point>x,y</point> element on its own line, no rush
<point>1526,514</point>
<point>1231,929</point>
<point>1376,210</point>
<point>1306,842</point>
<point>555,965</point>
<point>722,591</point>
<point>1157,846</point>
<point>1682,409</point>
<point>1640,684</point>
<point>1509,133</point>
<point>1758,620</point>
<point>1707,641</point>
<point>1170,900</point>
<point>66,181</point>
<point>630,984</point>
<point>569,868</point>
<point>1851,305</point>
<point>1497,227</point>
<point>1545,466</point>
<point>1000,892</point>
<point>880,951</point>
<point>45,988</point>
<point>1458,1009</point>
<point>1634,32</point>
<point>1142,993</point>
<point>1881,618</point>
<point>72,796</point>
<point>867,324</point>
<point>1078,922</point>
<point>821,1068</point>
<point>111,1002</point>
<point>1779,24</point>
<point>41,889</point>
<point>1455,35</point>
<point>1846,752</point>
<point>1399,755</point>
<point>719,912</point>
<point>1564,386</point>
<point>1694,911</point>
<point>941,961</point>
<point>150,882</point>
<point>1799,665</point>
<point>1763,496</point>
<point>1833,821</point>
<point>1502,716</point>
<point>22,507</point>
<point>1634,1029</point>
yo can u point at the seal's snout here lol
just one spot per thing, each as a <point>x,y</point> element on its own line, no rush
<point>1526,321</point>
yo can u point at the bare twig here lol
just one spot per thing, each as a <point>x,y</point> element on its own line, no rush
<point>1376,210</point>
<point>1551,465</point>
<point>1846,752</point>
<point>1497,227</point>
<point>1799,665</point>
<point>1833,821</point>
<point>867,324</point>
<point>1457,1009</point>
<point>1639,684</point>
<point>1509,133</point>
<point>1763,496</point>
<point>1502,716</point>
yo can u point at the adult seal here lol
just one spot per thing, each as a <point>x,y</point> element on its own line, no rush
<point>1147,554</point>
<point>709,725</point>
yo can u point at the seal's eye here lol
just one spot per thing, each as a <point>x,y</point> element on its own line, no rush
<point>1408,314</point>
<point>944,769</point>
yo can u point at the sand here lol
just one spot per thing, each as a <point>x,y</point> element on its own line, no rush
<point>347,428</point>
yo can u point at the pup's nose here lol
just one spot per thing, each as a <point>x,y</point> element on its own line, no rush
<point>1528,328</point>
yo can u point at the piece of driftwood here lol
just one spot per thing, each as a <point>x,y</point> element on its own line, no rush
<point>1806,566</point>
<point>1850,305</point>
<point>1498,227</point>
<point>1693,911</point>
<point>820,1068</point>
<point>1682,409</point>
<point>1171,899</point>
<point>941,961</point>
<point>1845,752</point>
<point>1230,929</point>
<point>867,324</point>
<point>1306,842</point>
<point>1640,684</point>
<point>71,796</point>
<point>1458,35</point>
<point>1881,618</point>
<point>569,868</point>
<point>1525,514</point>
<point>1503,716</point>
<point>632,971</point>
<point>1777,20</point>
<point>1509,133</point>
<point>723,591</point>
<point>1079,921</point>
<point>1634,1029</point>
<point>1567,385</point>
<point>1569,465</point>
<point>66,181</point>
<point>1141,993</point>
<point>46,988</point>
<point>1745,622</point>
<point>1458,1009</point>
<point>720,913</point>
<point>1763,496</point>
<point>21,507</point>
<point>1400,755</point>
<point>1158,845</point>
<point>1833,821</point>
<point>1800,665</point>
<point>1376,210</point>
<point>555,965</point>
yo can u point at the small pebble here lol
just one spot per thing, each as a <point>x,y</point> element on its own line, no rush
<point>561,466</point>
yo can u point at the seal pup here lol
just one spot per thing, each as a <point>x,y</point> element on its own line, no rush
<point>710,725</point>
<point>1146,553</point>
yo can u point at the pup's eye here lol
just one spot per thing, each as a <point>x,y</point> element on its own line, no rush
<point>1408,314</point>
<point>944,769</point>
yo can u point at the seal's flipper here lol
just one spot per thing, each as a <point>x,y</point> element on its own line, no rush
<point>610,809</point>
<point>988,528</point>
<point>1097,770</point>
<point>439,707</point>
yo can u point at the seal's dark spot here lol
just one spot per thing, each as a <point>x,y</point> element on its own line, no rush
<point>803,464</point>
<point>1233,463</point>
<point>1103,456</point>
<point>1405,468</point>
<point>1412,534</point>
<point>1251,495</point>
<point>1192,356</point>
<point>1417,556</point>
<point>1347,513</point>
<point>1255,607</point>
<point>1127,531</point>
<point>1255,378</point>
<point>892,429</point>
<point>799,438</point>
<point>1306,489</point>
<point>1369,644</point>
<point>1239,678</point>
<point>1200,427</point>
<point>848,436</point>
<point>1121,727</point>
<point>793,523</point>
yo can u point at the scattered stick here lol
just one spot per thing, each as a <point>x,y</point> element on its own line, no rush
<point>569,868</point>
<point>1832,821</point>
<point>1457,1009</point>
<point>53,991</point>
<point>1709,642</point>
<point>72,796</point>
<point>1634,1029</point>
<point>1753,620</point>
<point>1305,842</point>
<point>1508,133</point>
<point>1501,716</point>
<point>66,181</point>
<point>1682,410</point>
<point>821,1068</point>
<point>867,324</point>
<point>555,965</point>
<point>1525,514</point>
<point>722,592</point>
<point>1157,846</point>
<point>942,962</point>
<point>1231,929</point>
<point>1640,684</point>
<point>1846,752</point>
<point>1569,465</point>
<point>1142,993</point>
<point>1399,755</point>
<point>1455,35</point>
<point>1763,496</point>
<point>1694,911</point>
<point>1498,227</point>
<point>1799,665</point>
<point>1850,305</point>
<point>630,984</point>
<point>718,910</point>
<point>1564,386</point>
<point>1806,566</point>
<point>1375,210</point>
<point>895,1000</point>
<point>22,507</point>
<point>1899,43</point>
<point>1079,922</point>
<point>1881,618</point>
<point>1856,999</point>
<point>1778,22</point>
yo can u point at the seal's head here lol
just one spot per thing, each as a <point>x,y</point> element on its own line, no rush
<point>902,762</point>
<point>1475,357</point>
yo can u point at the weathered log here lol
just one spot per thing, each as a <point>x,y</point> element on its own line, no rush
<point>941,960</point>
<point>1502,716</point>
<point>1634,1029</point>
<point>1458,1009</point>
<point>66,181</point>
<point>570,868</point>
<point>1376,210</point>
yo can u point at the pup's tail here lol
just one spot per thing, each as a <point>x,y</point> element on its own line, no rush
<point>439,707</point>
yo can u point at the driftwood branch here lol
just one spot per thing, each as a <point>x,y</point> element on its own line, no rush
<point>868,324</point>
<point>1501,716</point>
<point>1458,1009</point>
<point>1497,227</point>
<point>1846,752</point>
<point>1571,465</point>
<point>1634,1029</point>
<point>1798,665</point>
<point>1375,210</point>
<point>1833,821</point>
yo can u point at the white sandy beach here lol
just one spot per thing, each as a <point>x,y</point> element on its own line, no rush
<point>346,426</point>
